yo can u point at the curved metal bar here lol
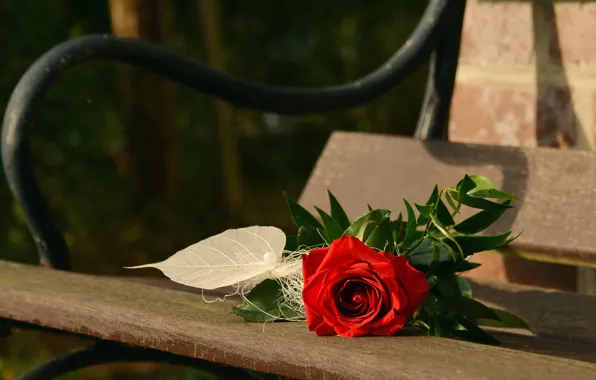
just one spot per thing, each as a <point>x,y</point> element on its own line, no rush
<point>290,101</point>
<point>109,352</point>
<point>434,115</point>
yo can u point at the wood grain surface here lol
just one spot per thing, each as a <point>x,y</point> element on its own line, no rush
<point>178,321</point>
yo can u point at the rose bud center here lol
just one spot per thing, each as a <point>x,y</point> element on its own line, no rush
<point>357,297</point>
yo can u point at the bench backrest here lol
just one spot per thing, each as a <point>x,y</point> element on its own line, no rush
<point>557,188</point>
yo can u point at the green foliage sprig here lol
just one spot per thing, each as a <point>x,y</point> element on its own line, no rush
<point>435,244</point>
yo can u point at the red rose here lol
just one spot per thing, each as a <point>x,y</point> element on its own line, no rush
<point>352,290</point>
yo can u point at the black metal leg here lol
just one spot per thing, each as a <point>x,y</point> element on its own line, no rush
<point>107,352</point>
<point>434,116</point>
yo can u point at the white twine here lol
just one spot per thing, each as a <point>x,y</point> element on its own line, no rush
<point>288,273</point>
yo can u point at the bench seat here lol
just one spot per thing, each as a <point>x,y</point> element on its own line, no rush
<point>142,312</point>
<point>557,188</point>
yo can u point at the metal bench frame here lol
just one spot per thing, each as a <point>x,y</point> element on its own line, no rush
<point>437,35</point>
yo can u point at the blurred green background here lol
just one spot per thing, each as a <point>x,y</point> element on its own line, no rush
<point>135,167</point>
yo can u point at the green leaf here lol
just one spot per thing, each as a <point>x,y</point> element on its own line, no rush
<point>436,256</point>
<point>424,210</point>
<point>338,213</point>
<point>437,223</point>
<point>484,188</point>
<point>382,236</point>
<point>492,193</point>
<point>431,281</point>
<point>263,295</point>
<point>368,230</point>
<point>465,306</point>
<point>453,285</point>
<point>464,266</point>
<point>332,227</point>
<point>475,244</point>
<point>444,215</point>
<point>369,220</point>
<point>300,215</point>
<point>399,229</point>
<point>435,327</point>
<point>481,182</point>
<point>480,221</point>
<point>445,243</point>
<point>262,305</point>
<point>441,326</point>
<point>424,216</point>
<point>310,237</point>
<point>451,202</point>
<point>410,235</point>
<point>478,203</point>
<point>461,195</point>
<point>291,243</point>
<point>422,255</point>
<point>437,206</point>
<point>511,239</point>
<point>472,332</point>
<point>445,268</point>
<point>433,197</point>
<point>508,320</point>
<point>464,287</point>
<point>400,218</point>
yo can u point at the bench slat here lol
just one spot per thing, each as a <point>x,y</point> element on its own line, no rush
<point>557,187</point>
<point>180,322</point>
<point>550,313</point>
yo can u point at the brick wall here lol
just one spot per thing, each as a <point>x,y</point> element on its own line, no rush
<point>527,77</point>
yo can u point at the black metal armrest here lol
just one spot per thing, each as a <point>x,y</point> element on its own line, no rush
<point>439,30</point>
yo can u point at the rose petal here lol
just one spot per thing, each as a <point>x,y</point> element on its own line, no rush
<point>414,283</point>
<point>347,250</point>
<point>371,310</point>
<point>341,273</point>
<point>352,290</point>
<point>399,298</point>
<point>384,319</point>
<point>328,306</point>
<point>385,270</point>
<point>312,261</point>
<point>313,288</point>
<point>351,331</point>
<point>314,320</point>
<point>388,256</point>
<point>352,310</point>
<point>319,326</point>
<point>350,299</point>
<point>374,296</point>
<point>392,324</point>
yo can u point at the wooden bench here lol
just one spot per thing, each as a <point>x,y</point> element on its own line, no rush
<point>359,168</point>
<point>140,319</point>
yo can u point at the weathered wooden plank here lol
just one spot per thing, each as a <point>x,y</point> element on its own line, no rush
<point>180,322</point>
<point>551,313</point>
<point>557,187</point>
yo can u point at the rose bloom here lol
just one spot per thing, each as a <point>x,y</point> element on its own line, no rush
<point>352,290</point>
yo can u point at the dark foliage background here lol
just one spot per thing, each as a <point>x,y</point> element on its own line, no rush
<point>136,168</point>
